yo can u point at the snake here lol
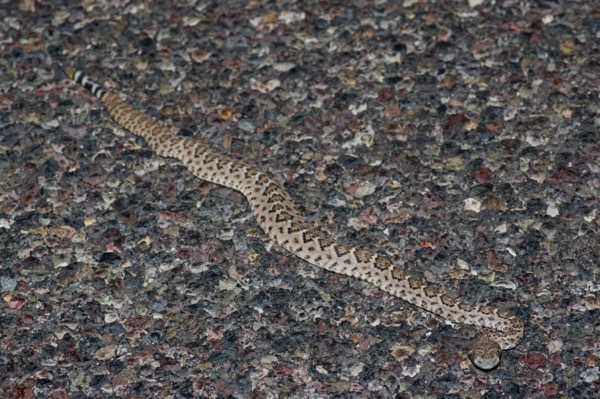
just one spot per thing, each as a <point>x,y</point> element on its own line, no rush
<point>281,220</point>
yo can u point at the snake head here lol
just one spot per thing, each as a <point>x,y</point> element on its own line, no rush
<point>485,353</point>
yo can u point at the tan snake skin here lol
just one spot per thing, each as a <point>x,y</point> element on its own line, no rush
<point>277,216</point>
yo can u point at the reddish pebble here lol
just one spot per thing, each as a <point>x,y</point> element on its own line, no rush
<point>534,360</point>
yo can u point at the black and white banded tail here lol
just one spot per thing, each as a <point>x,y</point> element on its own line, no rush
<point>86,82</point>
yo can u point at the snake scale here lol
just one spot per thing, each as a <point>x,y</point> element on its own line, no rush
<point>275,213</point>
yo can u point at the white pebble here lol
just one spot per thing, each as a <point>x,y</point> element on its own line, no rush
<point>471,204</point>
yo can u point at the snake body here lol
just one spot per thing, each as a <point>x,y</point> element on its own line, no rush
<point>277,216</point>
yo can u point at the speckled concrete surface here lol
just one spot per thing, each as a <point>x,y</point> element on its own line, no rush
<point>461,138</point>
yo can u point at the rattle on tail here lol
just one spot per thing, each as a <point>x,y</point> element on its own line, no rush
<point>277,216</point>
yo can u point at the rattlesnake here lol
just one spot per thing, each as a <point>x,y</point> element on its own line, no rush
<point>277,216</point>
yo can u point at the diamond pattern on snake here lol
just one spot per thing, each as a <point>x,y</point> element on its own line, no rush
<point>279,218</point>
